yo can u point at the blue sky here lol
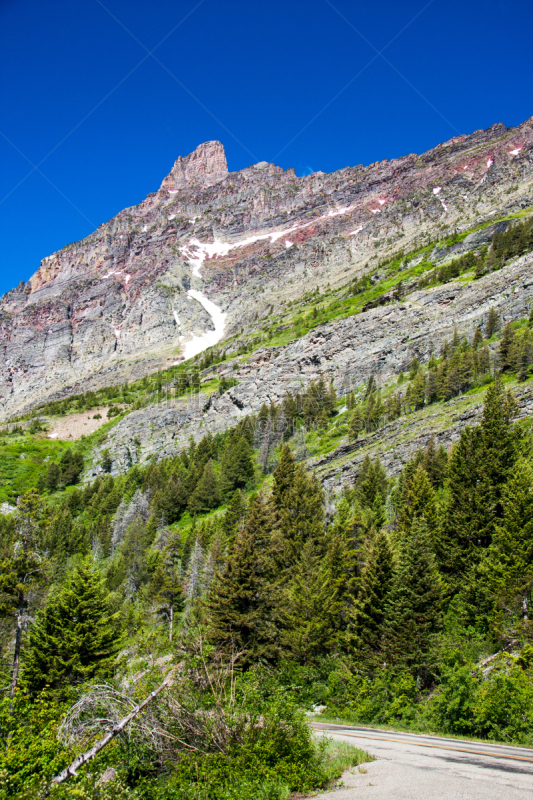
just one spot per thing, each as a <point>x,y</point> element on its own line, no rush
<point>310,84</point>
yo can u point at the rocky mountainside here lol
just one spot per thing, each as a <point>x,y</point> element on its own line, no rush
<point>214,254</point>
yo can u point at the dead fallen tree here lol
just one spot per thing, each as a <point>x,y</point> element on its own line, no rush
<point>114,730</point>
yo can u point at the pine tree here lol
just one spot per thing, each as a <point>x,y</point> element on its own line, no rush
<point>206,494</point>
<point>308,606</point>
<point>234,518</point>
<point>75,637</point>
<point>22,573</point>
<point>493,323</point>
<point>419,501</point>
<point>372,480</point>
<point>356,423</point>
<point>237,467</point>
<point>505,348</point>
<point>366,619</point>
<point>283,477</point>
<point>167,590</point>
<point>510,563</point>
<point>478,468</point>
<point>243,607</point>
<point>301,514</point>
<point>412,612</point>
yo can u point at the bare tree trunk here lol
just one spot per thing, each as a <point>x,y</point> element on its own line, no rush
<point>82,759</point>
<point>525,608</point>
<point>171,622</point>
<point>16,656</point>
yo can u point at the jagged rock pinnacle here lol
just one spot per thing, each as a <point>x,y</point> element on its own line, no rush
<point>206,165</point>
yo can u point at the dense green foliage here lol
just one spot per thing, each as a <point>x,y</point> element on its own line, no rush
<point>401,601</point>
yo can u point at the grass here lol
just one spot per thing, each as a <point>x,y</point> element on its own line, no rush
<point>23,458</point>
<point>341,756</point>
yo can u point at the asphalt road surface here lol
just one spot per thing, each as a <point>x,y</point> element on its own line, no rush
<point>413,767</point>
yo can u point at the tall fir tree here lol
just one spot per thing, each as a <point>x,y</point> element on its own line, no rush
<point>166,586</point>
<point>413,610</point>
<point>244,604</point>
<point>283,477</point>
<point>478,469</point>
<point>367,617</point>
<point>237,467</point>
<point>509,567</point>
<point>75,637</point>
<point>301,514</point>
<point>206,495</point>
<point>419,501</point>
<point>309,606</point>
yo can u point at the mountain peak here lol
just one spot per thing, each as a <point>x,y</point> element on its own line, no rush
<point>206,165</point>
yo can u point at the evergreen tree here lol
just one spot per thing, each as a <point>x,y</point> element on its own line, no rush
<point>301,514</point>
<point>167,589</point>
<point>308,606</point>
<point>372,480</point>
<point>365,626</point>
<point>237,466</point>
<point>478,468</point>
<point>419,501</point>
<point>493,323</point>
<point>234,518</point>
<point>510,563</point>
<point>243,607</point>
<point>412,612</point>
<point>206,494</point>
<point>283,477</point>
<point>356,423</point>
<point>75,637</point>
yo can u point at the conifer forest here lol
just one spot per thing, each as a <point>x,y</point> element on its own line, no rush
<point>301,498</point>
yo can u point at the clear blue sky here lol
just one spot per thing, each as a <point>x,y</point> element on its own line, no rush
<point>287,81</point>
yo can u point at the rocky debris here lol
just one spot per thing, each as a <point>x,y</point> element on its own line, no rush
<point>7,508</point>
<point>118,302</point>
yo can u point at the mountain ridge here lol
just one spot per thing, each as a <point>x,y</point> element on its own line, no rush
<point>128,298</point>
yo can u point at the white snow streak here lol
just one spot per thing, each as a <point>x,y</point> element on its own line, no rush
<point>352,233</point>
<point>490,162</point>
<point>288,244</point>
<point>199,343</point>
<point>437,189</point>
<point>515,151</point>
<point>195,252</point>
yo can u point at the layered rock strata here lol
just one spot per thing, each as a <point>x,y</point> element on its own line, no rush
<point>124,301</point>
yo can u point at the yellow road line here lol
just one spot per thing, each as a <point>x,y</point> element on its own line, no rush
<point>423,744</point>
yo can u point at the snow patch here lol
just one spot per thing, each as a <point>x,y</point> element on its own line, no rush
<point>173,216</point>
<point>382,202</point>
<point>288,244</point>
<point>198,343</point>
<point>178,323</point>
<point>437,189</point>
<point>352,233</point>
<point>116,332</point>
<point>515,151</point>
<point>196,252</point>
<point>445,207</point>
<point>490,162</point>
<point>128,278</point>
<point>375,210</point>
<point>173,191</point>
<point>465,166</point>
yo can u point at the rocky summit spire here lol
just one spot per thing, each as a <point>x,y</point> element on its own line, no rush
<point>205,165</point>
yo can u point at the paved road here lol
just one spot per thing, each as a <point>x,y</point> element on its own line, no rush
<point>413,767</point>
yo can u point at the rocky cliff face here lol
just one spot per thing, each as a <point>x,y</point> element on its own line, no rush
<point>134,295</point>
